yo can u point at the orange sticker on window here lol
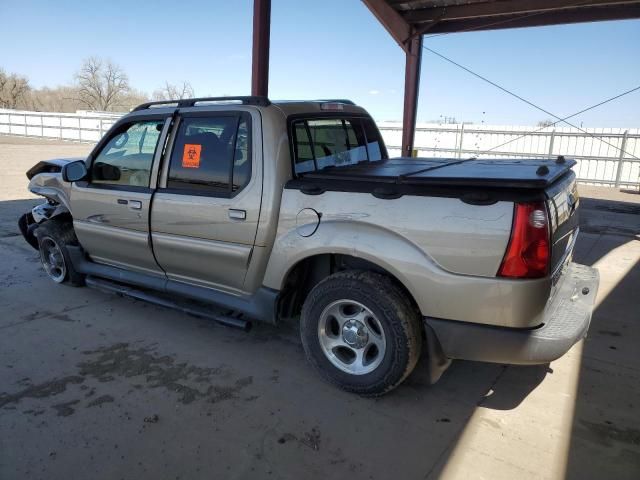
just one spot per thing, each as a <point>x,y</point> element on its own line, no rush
<point>191,155</point>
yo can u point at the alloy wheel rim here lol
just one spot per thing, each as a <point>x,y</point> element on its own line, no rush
<point>351,337</point>
<point>53,260</point>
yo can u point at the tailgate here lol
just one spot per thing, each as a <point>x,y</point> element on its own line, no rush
<point>562,202</point>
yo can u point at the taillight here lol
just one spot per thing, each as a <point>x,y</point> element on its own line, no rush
<point>528,252</point>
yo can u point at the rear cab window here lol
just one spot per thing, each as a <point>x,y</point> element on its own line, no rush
<point>334,142</point>
<point>211,155</point>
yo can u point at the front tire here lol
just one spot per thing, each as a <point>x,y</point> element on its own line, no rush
<point>361,332</point>
<point>53,237</point>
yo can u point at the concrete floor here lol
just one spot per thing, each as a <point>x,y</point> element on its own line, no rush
<point>102,387</point>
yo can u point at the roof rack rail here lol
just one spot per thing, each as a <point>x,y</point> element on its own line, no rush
<point>191,102</point>
<point>335,100</point>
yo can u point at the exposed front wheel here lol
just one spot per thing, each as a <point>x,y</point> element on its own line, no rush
<point>53,238</point>
<point>361,332</point>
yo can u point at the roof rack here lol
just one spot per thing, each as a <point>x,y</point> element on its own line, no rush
<point>335,100</point>
<point>191,102</point>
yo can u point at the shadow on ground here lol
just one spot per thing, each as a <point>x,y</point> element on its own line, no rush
<point>605,436</point>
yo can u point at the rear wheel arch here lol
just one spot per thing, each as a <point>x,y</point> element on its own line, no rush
<point>310,271</point>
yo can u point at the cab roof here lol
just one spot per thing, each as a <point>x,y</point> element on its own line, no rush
<point>288,107</point>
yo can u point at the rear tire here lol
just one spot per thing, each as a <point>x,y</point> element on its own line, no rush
<point>53,237</point>
<point>361,332</point>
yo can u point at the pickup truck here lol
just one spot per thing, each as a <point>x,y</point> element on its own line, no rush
<point>242,209</point>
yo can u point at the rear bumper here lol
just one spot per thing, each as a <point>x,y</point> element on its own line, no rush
<point>566,321</point>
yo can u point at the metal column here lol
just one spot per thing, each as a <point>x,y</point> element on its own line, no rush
<point>261,35</point>
<point>411,86</point>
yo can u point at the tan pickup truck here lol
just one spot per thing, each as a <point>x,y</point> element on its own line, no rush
<point>293,210</point>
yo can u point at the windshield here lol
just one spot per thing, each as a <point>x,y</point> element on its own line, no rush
<point>335,142</point>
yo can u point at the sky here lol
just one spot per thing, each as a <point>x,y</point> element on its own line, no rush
<point>331,48</point>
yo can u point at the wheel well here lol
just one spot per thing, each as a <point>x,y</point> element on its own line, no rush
<point>307,273</point>
<point>63,217</point>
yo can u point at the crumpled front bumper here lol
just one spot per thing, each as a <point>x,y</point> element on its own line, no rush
<point>27,225</point>
<point>566,321</point>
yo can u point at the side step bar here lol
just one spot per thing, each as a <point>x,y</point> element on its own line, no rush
<point>157,299</point>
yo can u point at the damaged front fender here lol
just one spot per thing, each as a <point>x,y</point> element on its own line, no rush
<point>28,223</point>
<point>45,180</point>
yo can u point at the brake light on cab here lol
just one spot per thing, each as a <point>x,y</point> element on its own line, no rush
<point>332,106</point>
<point>528,253</point>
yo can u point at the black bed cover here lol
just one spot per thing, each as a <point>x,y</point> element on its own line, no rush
<point>496,173</point>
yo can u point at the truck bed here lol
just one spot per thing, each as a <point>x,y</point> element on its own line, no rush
<point>535,174</point>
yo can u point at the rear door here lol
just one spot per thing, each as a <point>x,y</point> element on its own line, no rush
<point>206,209</point>
<point>111,209</point>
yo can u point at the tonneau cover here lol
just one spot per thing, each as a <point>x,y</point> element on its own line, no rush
<point>507,173</point>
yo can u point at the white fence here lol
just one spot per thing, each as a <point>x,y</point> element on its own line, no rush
<point>80,127</point>
<point>605,156</point>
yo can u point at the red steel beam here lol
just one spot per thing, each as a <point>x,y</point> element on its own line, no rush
<point>390,19</point>
<point>538,20</point>
<point>411,87</point>
<point>513,7</point>
<point>260,55</point>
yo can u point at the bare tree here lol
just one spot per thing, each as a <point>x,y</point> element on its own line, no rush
<point>132,99</point>
<point>13,89</point>
<point>174,92</point>
<point>101,84</point>
<point>57,99</point>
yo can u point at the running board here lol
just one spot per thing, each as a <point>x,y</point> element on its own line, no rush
<point>156,299</point>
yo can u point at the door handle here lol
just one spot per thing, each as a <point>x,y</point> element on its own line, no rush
<point>237,214</point>
<point>133,204</point>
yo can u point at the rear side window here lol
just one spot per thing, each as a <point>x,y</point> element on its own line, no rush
<point>321,143</point>
<point>211,155</point>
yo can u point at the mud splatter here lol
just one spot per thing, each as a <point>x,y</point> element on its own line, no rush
<point>37,315</point>
<point>120,360</point>
<point>65,409</point>
<point>41,390</point>
<point>309,439</point>
<point>100,400</point>
<point>217,393</point>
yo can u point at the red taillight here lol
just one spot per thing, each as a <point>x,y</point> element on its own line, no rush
<point>528,251</point>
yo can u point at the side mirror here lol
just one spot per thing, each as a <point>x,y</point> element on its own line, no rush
<point>104,171</point>
<point>74,171</point>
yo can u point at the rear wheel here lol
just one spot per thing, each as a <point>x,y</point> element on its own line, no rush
<point>53,238</point>
<point>361,332</point>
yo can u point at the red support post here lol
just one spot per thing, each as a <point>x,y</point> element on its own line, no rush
<point>261,36</point>
<point>411,87</point>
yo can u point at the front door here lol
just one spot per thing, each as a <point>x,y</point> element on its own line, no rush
<point>111,209</point>
<point>205,211</point>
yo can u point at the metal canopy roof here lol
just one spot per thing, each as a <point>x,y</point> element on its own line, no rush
<point>408,18</point>
<point>455,15</point>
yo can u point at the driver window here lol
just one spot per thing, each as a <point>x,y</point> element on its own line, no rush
<point>127,157</point>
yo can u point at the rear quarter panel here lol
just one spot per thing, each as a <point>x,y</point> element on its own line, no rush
<point>445,252</point>
<point>457,237</point>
